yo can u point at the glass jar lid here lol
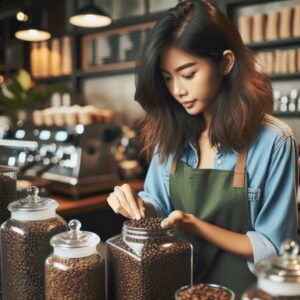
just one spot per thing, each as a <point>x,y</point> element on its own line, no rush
<point>280,275</point>
<point>75,243</point>
<point>33,207</point>
<point>285,267</point>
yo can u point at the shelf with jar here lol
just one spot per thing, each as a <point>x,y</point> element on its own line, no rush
<point>275,38</point>
<point>52,60</point>
<point>287,104</point>
<point>271,29</point>
<point>276,27</point>
<point>280,63</point>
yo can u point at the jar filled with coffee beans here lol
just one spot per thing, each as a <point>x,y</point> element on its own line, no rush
<point>75,270</point>
<point>25,243</point>
<point>204,291</point>
<point>8,190</point>
<point>8,193</point>
<point>147,262</point>
<point>278,276</point>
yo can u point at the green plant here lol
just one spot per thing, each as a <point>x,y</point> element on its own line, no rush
<point>20,92</point>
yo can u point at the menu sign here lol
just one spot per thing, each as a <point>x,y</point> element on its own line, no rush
<point>114,49</point>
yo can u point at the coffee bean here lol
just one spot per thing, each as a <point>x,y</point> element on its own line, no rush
<point>152,224</point>
<point>25,246</point>
<point>75,278</point>
<point>147,262</point>
<point>204,291</point>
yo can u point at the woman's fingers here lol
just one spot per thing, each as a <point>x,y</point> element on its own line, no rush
<point>174,217</point>
<point>124,201</point>
<point>132,201</point>
<point>115,204</point>
<point>140,204</point>
<point>119,193</point>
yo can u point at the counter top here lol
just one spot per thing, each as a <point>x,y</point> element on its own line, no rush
<point>69,206</point>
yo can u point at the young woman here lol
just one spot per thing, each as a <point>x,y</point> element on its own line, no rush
<point>222,169</point>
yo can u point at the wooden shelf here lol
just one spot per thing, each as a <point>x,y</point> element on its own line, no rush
<point>248,2</point>
<point>69,206</point>
<point>85,75</point>
<point>286,76</point>
<point>52,79</point>
<point>275,44</point>
<point>295,114</point>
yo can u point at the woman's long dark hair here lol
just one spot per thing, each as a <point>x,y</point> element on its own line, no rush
<point>199,28</point>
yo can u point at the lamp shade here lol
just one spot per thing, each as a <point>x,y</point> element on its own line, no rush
<point>90,16</point>
<point>29,29</point>
<point>32,35</point>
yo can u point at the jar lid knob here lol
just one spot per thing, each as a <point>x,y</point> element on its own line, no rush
<point>289,248</point>
<point>33,193</point>
<point>74,225</point>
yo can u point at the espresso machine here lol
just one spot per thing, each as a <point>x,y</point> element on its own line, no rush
<point>77,160</point>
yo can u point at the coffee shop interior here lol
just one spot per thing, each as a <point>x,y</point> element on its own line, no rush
<point>68,120</point>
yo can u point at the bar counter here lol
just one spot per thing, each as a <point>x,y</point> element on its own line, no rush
<point>70,207</point>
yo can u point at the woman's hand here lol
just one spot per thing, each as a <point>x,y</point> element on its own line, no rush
<point>126,202</point>
<point>178,217</point>
<point>233,242</point>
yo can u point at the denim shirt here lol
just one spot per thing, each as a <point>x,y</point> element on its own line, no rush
<point>272,185</point>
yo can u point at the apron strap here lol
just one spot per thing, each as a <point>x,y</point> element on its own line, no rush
<point>240,170</point>
<point>174,165</point>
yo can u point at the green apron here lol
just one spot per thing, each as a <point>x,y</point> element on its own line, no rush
<point>218,197</point>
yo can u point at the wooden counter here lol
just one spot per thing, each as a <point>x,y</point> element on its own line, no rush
<point>69,206</point>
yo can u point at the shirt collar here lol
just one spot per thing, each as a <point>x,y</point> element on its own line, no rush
<point>194,146</point>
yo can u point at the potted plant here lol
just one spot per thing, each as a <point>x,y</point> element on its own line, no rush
<point>19,94</point>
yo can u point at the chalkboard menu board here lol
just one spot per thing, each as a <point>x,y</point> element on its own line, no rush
<point>114,49</point>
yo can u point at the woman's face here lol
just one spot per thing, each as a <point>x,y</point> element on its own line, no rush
<point>193,81</point>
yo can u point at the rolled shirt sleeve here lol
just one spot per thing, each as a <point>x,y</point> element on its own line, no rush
<point>278,203</point>
<point>156,187</point>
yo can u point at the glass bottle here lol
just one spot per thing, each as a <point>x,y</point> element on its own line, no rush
<point>75,270</point>
<point>276,100</point>
<point>293,100</point>
<point>25,241</point>
<point>147,262</point>
<point>278,276</point>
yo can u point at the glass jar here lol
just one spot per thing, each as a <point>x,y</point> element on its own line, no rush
<point>204,291</point>
<point>8,193</point>
<point>8,190</point>
<point>25,243</point>
<point>75,270</point>
<point>147,262</point>
<point>278,276</point>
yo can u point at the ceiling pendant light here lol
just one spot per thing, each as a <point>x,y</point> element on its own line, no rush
<point>28,31</point>
<point>90,16</point>
<point>32,35</point>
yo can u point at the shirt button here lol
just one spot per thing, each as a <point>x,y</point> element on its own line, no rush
<point>219,161</point>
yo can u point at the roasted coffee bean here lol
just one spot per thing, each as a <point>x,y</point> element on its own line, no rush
<point>147,264</point>
<point>203,291</point>
<point>25,246</point>
<point>152,224</point>
<point>75,278</point>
